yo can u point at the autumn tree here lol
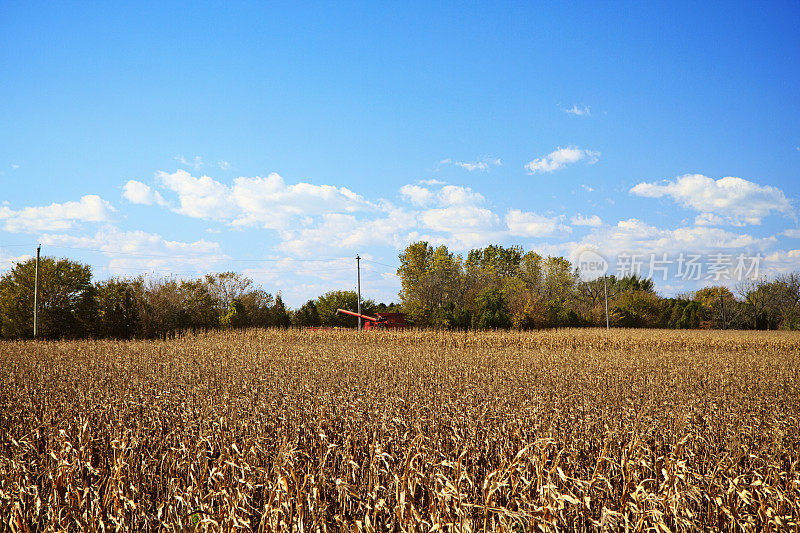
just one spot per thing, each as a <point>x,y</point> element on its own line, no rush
<point>719,304</point>
<point>67,303</point>
<point>432,282</point>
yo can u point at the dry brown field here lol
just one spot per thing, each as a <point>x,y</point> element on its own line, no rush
<point>570,430</point>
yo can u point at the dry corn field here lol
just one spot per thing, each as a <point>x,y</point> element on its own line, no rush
<point>576,430</point>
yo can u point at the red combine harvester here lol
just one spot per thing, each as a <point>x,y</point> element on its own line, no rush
<point>382,321</point>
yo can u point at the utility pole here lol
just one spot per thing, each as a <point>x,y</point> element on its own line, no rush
<point>358,268</point>
<point>36,294</point>
<point>605,291</point>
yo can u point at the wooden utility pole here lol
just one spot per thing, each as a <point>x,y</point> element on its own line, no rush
<point>36,295</point>
<point>358,268</point>
<point>605,292</point>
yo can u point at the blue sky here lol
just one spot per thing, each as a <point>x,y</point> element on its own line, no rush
<point>281,141</point>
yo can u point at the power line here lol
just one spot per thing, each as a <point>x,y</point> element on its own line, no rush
<point>378,263</point>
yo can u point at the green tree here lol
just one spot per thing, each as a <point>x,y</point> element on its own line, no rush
<point>258,304</point>
<point>118,310</point>
<point>328,303</point>
<point>431,279</point>
<point>635,309</point>
<point>493,264</point>
<point>307,316</point>
<point>67,299</point>
<point>490,310</point>
<point>236,317</point>
<point>280,317</point>
<point>199,308</point>
<point>633,282</point>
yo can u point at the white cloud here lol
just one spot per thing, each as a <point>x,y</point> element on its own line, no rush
<point>635,236</point>
<point>579,111</point>
<point>224,165</point>
<point>432,182</point>
<point>484,164</point>
<point>14,166</point>
<point>593,221</point>
<point>199,197</point>
<point>587,188</point>
<point>55,217</point>
<point>561,157</point>
<point>259,201</point>
<point>7,261</point>
<point>459,219</point>
<point>781,262</point>
<point>528,224</point>
<point>195,163</point>
<point>730,200</point>
<point>792,233</point>
<point>130,252</point>
<point>456,195</point>
<point>266,201</point>
<point>416,195</point>
<point>453,215</point>
<point>458,211</point>
<point>137,192</point>
<point>338,231</point>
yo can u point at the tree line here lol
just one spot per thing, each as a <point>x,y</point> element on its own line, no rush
<point>72,305</point>
<point>506,287</point>
<point>494,287</point>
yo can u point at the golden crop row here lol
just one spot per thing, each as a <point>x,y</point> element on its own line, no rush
<point>403,431</point>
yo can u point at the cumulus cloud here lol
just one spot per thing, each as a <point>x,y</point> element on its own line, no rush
<point>201,197</point>
<point>456,195</point>
<point>727,200</point>
<point>781,262</point>
<point>528,224</point>
<point>593,221</point>
<point>137,192</point>
<point>258,201</point>
<point>55,217</point>
<point>792,233</point>
<point>561,157</point>
<point>340,231</point>
<point>459,218</point>
<point>583,111</point>
<point>457,210</point>
<point>141,251</point>
<point>416,195</point>
<point>635,236</point>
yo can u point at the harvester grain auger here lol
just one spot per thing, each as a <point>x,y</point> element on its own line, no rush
<point>381,321</point>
